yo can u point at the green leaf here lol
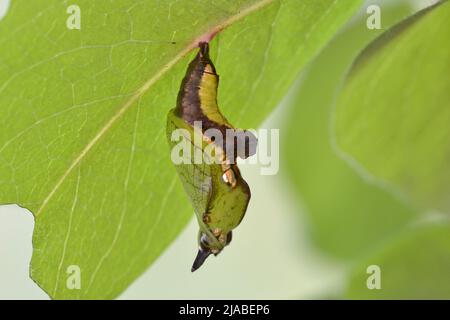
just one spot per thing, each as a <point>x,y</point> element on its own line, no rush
<point>347,215</point>
<point>82,134</point>
<point>415,266</point>
<point>392,116</point>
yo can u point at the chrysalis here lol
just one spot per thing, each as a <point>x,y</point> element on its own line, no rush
<point>214,185</point>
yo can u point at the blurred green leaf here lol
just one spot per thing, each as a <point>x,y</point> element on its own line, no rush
<point>82,134</point>
<point>414,266</point>
<point>347,215</point>
<point>393,114</point>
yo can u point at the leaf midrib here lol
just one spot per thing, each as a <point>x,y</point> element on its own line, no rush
<point>145,87</point>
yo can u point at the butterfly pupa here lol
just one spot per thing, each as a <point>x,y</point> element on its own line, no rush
<point>216,189</point>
